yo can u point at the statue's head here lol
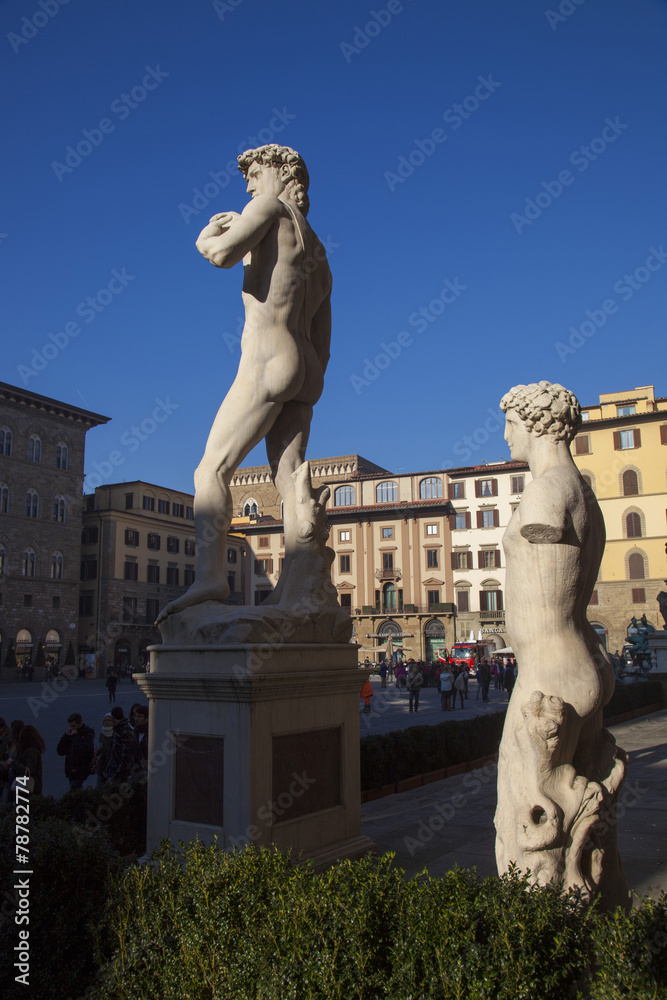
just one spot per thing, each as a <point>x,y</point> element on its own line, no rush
<point>288,163</point>
<point>545,408</point>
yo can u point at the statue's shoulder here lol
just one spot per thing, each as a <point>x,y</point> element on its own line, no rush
<point>266,206</point>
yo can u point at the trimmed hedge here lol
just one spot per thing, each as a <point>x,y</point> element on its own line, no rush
<point>251,926</point>
<point>629,697</point>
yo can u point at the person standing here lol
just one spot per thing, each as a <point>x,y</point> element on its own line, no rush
<point>103,751</point>
<point>28,763</point>
<point>446,682</point>
<point>509,679</point>
<point>414,681</point>
<point>112,684</point>
<point>383,674</point>
<point>77,746</point>
<point>460,685</point>
<point>141,739</point>
<point>485,678</point>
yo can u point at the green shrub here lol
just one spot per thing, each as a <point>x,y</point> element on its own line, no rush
<point>69,889</point>
<point>628,697</point>
<point>631,953</point>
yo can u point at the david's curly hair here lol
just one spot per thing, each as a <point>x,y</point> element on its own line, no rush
<point>545,408</point>
<point>275,156</point>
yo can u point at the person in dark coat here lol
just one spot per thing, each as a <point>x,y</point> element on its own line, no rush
<point>112,684</point>
<point>29,750</point>
<point>121,759</point>
<point>509,679</point>
<point>103,751</point>
<point>77,746</point>
<point>141,738</point>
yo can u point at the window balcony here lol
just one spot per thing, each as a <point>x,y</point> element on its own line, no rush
<point>492,616</point>
<point>388,574</point>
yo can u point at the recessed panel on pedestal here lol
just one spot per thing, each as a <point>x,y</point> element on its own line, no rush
<point>198,779</point>
<point>307,769</point>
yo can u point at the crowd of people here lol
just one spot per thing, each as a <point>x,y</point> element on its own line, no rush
<point>120,753</point>
<point>450,678</point>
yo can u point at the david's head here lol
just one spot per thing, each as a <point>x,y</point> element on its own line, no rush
<point>276,170</point>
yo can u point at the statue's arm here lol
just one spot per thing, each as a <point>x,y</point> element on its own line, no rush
<point>230,236</point>
<point>543,513</point>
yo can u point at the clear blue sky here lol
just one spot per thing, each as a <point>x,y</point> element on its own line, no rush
<point>288,72</point>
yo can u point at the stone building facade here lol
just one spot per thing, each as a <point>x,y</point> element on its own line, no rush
<point>42,445</point>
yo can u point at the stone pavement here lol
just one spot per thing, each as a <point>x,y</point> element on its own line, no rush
<point>450,822</point>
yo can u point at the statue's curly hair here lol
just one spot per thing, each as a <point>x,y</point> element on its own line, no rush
<point>276,156</point>
<point>545,408</point>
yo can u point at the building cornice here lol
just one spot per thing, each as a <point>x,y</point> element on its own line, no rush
<point>23,397</point>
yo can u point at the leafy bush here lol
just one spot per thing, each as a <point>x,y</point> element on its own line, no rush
<point>69,888</point>
<point>628,697</point>
<point>631,953</point>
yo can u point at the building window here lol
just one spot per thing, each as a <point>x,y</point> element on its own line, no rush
<point>430,489</point>
<point>344,496</point>
<point>153,572</point>
<point>59,509</point>
<point>163,506</point>
<point>129,613</point>
<point>594,598</point>
<point>432,529</point>
<point>638,595</point>
<point>5,441</point>
<point>486,488</point>
<point>488,518</point>
<point>153,541</point>
<point>387,560</point>
<point>149,503</point>
<point>386,493</point>
<point>462,560</point>
<point>432,597</point>
<point>462,601</point>
<point>461,521</point>
<point>626,411</point>
<point>231,582</point>
<point>432,561</point>
<point>344,564</point>
<point>152,609</point>
<point>633,525</point>
<point>31,504</point>
<point>34,449</point>
<point>189,546</point>
<point>490,600</point>
<point>62,456</point>
<point>582,444</point>
<point>189,514</point>
<point>56,566</point>
<point>345,600</point>
<point>231,556</point>
<point>88,568</point>
<point>250,509</point>
<point>517,484</point>
<point>457,491</point>
<point>86,603</point>
<point>172,576</point>
<point>27,600</point>
<point>89,535</point>
<point>28,563</point>
<point>189,576</point>
<point>387,532</point>
<point>129,501</point>
<point>131,570</point>
<point>263,567</point>
<point>343,536</point>
<point>3,560</point>
<point>389,597</point>
<point>624,440</point>
<point>264,542</point>
<point>663,433</point>
<point>131,537</point>
<point>636,567</point>
<point>488,558</point>
<point>630,483</point>
<point>55,601</point>
<point>4,499</point>
<point>172,544</point>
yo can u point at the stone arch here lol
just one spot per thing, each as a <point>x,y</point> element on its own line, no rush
<point>626,484</point>
<point>632,564</point>
<point>589,477</point>
<point>625,526</point>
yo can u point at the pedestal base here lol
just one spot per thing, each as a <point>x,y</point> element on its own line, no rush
<point>255,745</point>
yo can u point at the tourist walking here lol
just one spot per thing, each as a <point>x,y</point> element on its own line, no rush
<point>485,678</point>
<point>383,674</point>
<point>77,746</point>
<point>112,684</point>
<point>141,739</point>
<point>414,681</point>
<point>446,682</point>
<point>509,679</point>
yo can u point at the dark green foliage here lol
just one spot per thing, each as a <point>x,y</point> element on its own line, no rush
<point>390,757</point>
<point>631,953</point>
<point>628,697</point>
<point>69,888</point>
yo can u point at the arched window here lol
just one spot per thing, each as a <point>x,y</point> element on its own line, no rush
<point>31,504</point>
<point>386,493</point>
<point>59,508</point>
<point>249,508</point>
<point>633,525</point>
<point>589,478</point>
<point>62,456</point>
<point>4,499</point>
<point>56,566</point>
<point>3,559</point>
<point>35,449</point>
<point>28,563</point>
<point>630,483</point>
<point>5,441</point>
<point>344,496</point>
<point>430,489</point>
<point>636,566</point>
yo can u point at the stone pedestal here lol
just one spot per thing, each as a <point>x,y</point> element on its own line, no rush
<point>256,745</point>
<point>657,642</point>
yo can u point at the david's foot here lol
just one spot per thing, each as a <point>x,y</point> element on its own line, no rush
<point>199,592</point>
